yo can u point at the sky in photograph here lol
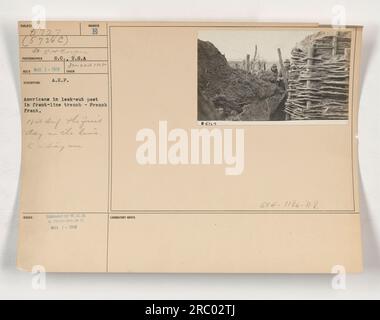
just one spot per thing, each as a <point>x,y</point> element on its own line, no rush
<point>236,44</point>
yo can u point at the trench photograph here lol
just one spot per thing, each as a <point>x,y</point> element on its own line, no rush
<point>273,75</point>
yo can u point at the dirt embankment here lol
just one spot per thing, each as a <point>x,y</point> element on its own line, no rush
<point>225,93</point>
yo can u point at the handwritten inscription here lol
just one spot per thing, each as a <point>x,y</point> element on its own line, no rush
<point>69,122</point>
<point>41,37</point>
<point>86,67</point>
<point>52,133</point>
<point>290,204</point>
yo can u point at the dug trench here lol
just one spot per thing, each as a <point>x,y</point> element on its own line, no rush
<point>226,93</point>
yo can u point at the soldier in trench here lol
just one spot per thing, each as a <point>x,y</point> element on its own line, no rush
<point>280,114</point>
<point>274,71</point>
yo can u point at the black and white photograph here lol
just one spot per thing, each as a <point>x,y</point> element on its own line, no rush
<point>273,75</point>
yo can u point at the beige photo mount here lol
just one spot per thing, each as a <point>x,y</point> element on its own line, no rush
<point>86,205</point>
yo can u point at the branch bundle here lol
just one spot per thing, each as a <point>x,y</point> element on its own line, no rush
<point>319,84</point>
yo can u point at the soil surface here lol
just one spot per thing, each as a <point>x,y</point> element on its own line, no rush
<point>225,93</point>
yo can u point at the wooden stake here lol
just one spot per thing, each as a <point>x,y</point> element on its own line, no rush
<point>308,68</point>
<point>283,70</point>
<point>335,45</point>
